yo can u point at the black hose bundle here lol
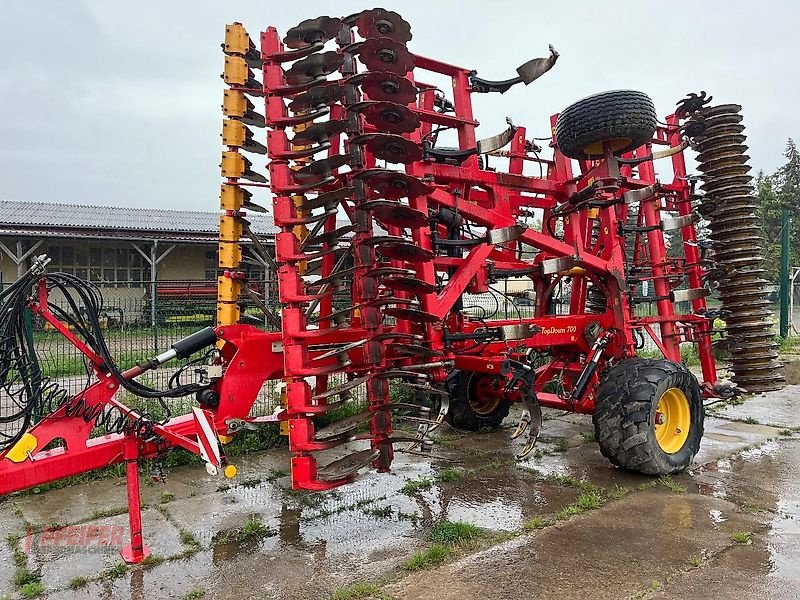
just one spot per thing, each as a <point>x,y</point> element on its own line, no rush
<point>27,395</point>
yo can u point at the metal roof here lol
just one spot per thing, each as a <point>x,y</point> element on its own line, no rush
<point>82,220</point>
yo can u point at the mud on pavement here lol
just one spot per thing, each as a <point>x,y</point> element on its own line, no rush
<point>469,523</point>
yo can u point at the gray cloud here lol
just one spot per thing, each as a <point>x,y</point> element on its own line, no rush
<point>118,103</point>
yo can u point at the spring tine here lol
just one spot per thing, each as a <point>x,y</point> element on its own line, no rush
<point>260,249</point>
<point>339,264</point>
<point>270,316</point>
<point>342,349</point>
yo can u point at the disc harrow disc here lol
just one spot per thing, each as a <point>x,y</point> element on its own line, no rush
<point>393,185</point>
<point>394,149</point>
<point>318,132</point>
<point>312,31</point>
<point>390,117</point>
<point>321,95</point>
<point>398,248</point>
<point>380,22</point>
<point>392,212</point>
<point>347,466</point>
<point>311,67</point>
<point>388,87</point>
<point>386,55</point>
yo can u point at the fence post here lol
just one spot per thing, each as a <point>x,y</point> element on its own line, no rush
<point>785,283</point>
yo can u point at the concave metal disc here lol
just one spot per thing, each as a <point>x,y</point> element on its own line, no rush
<point>388,87</point>
<point>398,248</point>
<point>342,426</point>
<point>312,31</point>
<point>380,22</point>
<point>321,95</point>
<point>318,132</point>
<point>391,117</point>
<point>415,315</point>
<point>391,212</point>
<point>393,185</point>
<point>311,67</point>
<point>347,466</point>
<point>394,149</point>
<point>322,167</point>
<point>409,284</point>
<point>386,55</point>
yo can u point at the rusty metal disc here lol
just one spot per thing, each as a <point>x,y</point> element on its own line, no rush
<point>318,132</point>
<point>379,22</point>
<point>311,67</point>
<point>390,117</point>
<point>415,315</point>
<point>411,285</point>
<point>321,168</point>
<point>392,212</point>
<point>347,466</point>
<point>394,149</point>
<point>342,426</point>
<point>389,87</point>
<point>386,55</point>
<point>393,185</point>
<point>321,95</point>
<point>398,248</point>
<point>312,31</point>
<point>388,270</point>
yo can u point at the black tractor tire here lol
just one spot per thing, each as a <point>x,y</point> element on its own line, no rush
<point>625,118</point>
<point>625,417</point>
<point>466,411</point>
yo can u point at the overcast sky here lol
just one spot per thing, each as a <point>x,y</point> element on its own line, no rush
<point>118,103</point>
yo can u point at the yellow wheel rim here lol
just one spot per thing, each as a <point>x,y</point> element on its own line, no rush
<point>616,144</point>
<point>673,420</point>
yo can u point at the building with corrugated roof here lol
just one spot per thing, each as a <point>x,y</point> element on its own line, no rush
<point>116,247</point>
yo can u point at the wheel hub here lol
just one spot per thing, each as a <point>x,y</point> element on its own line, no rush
<point>672,421</point>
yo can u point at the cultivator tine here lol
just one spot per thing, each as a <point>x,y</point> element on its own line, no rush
<point>268,314</point>
<point>530,421</point>
<point>340,389</point>
<point>343,426</point>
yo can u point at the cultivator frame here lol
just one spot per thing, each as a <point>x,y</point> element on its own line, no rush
<point>417,240</point>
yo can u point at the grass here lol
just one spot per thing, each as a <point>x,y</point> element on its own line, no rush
<point>696,561</point>
<point>562,445</point>
<point>253,529</point>
<point>672,485</point>
<point>23,576</point>
<point>742,537</point>
<point>751,421</point>
<point>77,582</point>
<point>194,594</point>
<point>109,512</point>
<point>786,432</point>
<point>589,499</point>
<point>379,512</point>
<point>588,436</point>
<point>357,591</point>
<point>534,523</point>
<point>153,560</point>
<point>31,590</point>
<point>188,538</point>
<point>450,475</point>
<point>166,497</point>
<point>454,532</point>
<point>412,486</point>
<point>427,559</point>
<point>114,572</point>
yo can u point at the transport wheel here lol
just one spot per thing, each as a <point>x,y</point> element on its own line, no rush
<point>649,416</point>
<point>477,401</point>
<point>624,118</point>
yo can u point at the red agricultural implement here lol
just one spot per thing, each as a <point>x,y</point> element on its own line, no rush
<point>612,254</point>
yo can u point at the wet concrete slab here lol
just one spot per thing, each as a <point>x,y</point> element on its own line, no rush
<point>778,409</point>
<point>312,544</point>
<point>610,553</point>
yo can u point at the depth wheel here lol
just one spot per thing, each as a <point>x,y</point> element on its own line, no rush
<point>649,416</point>
<point>625,119</point>
<point>477,401</point>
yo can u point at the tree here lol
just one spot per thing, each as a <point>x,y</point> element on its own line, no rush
<point>774,193</point>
